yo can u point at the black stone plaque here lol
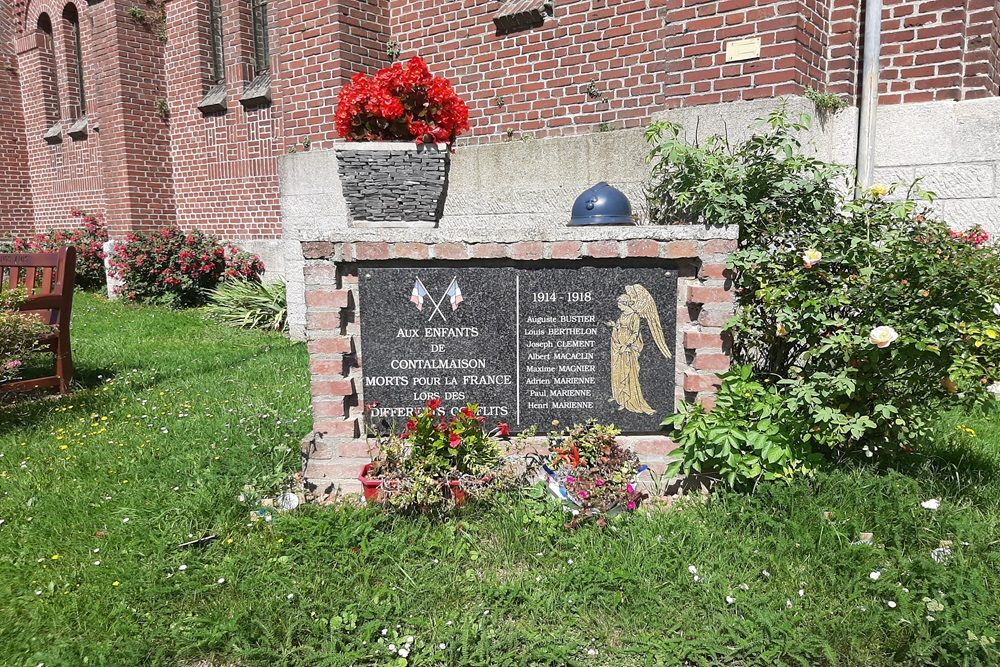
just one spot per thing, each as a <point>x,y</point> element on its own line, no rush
<point>529,345</point>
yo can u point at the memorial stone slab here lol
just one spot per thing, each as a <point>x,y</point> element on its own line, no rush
<point>530,345</point>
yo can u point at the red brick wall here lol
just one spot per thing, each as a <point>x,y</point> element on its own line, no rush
<point>843,55</point>
<point>136,153</point>
<point>793,35</point>
<point>219,172</point>
<point>542,75</point>
<point>15,195</point>
<point>922,51</point>
<point>322,43</point>
<point>67,174</point>
<point>224,164</point>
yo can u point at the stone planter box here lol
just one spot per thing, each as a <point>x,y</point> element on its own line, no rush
<point>393,184</point>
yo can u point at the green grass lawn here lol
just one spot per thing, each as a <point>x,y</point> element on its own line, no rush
<point>176,415</point>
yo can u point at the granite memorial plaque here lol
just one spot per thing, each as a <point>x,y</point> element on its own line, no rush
<point>529,345</point>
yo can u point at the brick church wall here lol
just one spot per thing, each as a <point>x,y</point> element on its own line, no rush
<point>322,44</point>
<point>225,168</point>
<point>592,65</point>
<point>66,174</point>
<point>595,62</point>
<point>16,214</point>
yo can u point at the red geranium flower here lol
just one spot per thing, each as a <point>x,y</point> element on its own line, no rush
<point>503,428</point>
<point>454,440</point>
<point>434,404</point>
<point>400,103</point>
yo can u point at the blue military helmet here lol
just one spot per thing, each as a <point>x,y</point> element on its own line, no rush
<point>602,205</point>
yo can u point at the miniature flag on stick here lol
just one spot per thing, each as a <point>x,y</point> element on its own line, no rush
<point>455,294</point>
<point>418,294</point>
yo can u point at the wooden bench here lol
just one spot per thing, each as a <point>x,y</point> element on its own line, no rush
<point>47,277</point>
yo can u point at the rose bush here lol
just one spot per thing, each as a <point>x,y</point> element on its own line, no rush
<point>401,103</point>
<point>867,313</point>
<point>88,239</point>
<point>177,268</point>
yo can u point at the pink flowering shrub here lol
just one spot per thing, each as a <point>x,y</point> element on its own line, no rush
<point>177,268</point>
<point>88,239</point>
<point>975,236</point>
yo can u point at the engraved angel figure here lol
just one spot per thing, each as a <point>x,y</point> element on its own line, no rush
<point>636,304</point>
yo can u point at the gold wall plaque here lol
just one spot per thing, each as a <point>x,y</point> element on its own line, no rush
<point>743,49</point>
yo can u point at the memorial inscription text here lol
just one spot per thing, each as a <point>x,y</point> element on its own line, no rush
<point>529,345</point>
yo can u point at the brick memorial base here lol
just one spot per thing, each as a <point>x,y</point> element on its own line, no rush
<point>338,448</point>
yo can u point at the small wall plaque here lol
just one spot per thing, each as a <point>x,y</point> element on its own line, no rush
<point>743,49</point>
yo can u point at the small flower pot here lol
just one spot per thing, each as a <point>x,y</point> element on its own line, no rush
<point>393,184</point>
<point>370,487</point>
<point>458,494</point>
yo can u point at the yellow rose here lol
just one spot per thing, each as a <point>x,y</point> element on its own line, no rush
<point>811,258</point>
<point>883,336</point>
<point>781,330</point>
<point>879,190</point>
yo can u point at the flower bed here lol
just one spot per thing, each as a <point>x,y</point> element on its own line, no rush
<point>436,461</point>
<point>19,335</point>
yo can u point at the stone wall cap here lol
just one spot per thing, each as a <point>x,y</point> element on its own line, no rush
<point>386,146</point>
<point>489,235</point>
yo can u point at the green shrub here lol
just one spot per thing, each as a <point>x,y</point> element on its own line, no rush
<point>19,335</point>
<point>750,433</point>
<point>249,303</point>
<point>866,313</point>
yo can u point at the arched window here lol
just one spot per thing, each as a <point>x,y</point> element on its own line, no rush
<point>76,97</point>
<point>47,70</point>
<point>218,62</point>
<point>261,47</point>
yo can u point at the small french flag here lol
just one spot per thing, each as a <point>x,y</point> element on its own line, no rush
<point>418,294</point>
<point>455,294</point>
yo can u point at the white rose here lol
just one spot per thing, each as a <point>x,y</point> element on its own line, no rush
<point>883,336</point>
<point>996,309</point>
<point>994,389</point>
<point>811,258</point>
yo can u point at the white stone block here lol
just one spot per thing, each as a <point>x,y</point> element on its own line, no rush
<point>959,181</point>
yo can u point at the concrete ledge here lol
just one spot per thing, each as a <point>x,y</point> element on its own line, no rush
<point>480,234</point>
